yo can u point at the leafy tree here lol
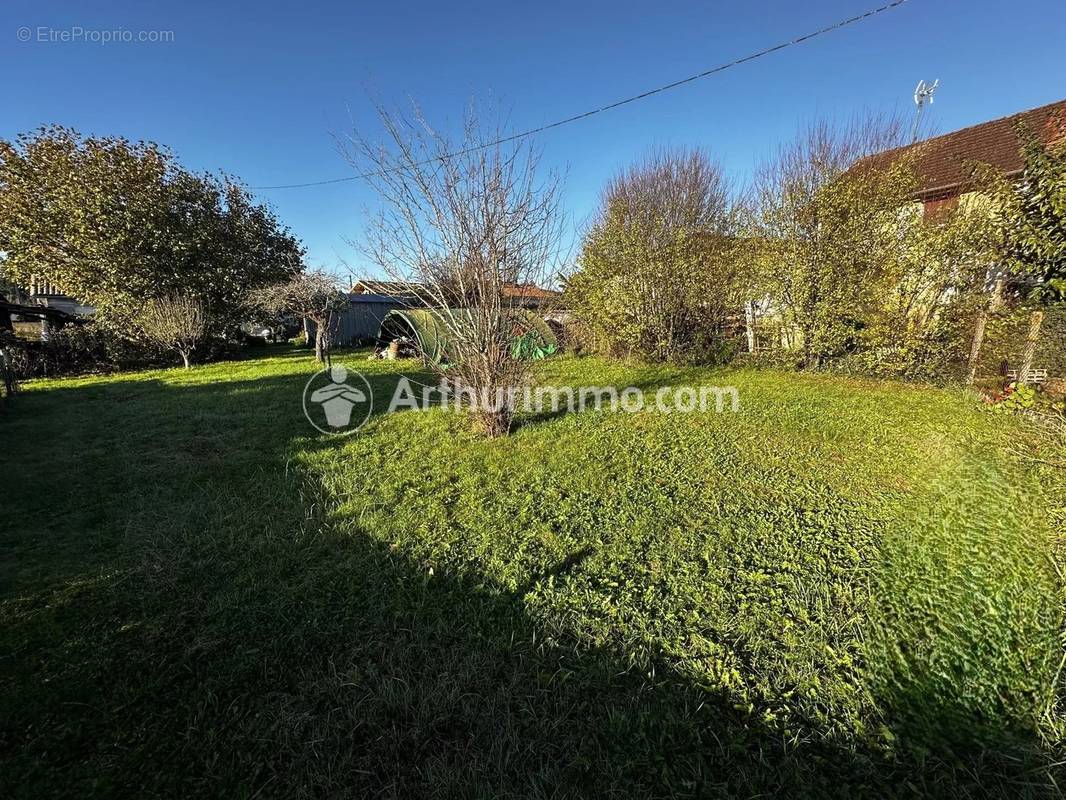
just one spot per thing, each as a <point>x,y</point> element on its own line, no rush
<point>177,322</point>
<point>1035,216</point>
<point>658,274</point>
<point>826,226</point>
<point>114,222</point>
<point>1033,213</point>
<point>312,296</point>
<point>932,278</point>
<point>1028,211</point>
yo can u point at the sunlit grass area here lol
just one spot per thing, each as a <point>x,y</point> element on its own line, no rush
<point>845,588</point>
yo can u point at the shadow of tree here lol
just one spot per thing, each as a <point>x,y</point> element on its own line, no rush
<point>209,628</point>
<point>651,380</point>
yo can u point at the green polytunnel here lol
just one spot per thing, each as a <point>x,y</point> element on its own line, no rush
<point>429,332</point>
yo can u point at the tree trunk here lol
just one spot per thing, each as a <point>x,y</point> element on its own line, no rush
<point>1035,320</point>
<point>975,348</point>
<point>495,423</point>
<point>320,342</point>
<point>8,384</point>
<point>979,331</point>
<point>185,358</point>
<point>749,320</point>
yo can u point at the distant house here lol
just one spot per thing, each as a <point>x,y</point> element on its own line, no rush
<point>527,295</point>
<point>43,292</point>
<point>34,311</point>
<point>944,167</point>
<point>388,288</point>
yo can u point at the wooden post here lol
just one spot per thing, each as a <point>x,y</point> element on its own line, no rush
<point>1031,338</point>
<point>979,330</point>
<point>7,375</point>
<point>749,323</point>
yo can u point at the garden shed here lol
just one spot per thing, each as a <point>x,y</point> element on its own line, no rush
<point>362,319</point>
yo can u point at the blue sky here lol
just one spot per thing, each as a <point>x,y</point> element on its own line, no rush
<point>260,89</point>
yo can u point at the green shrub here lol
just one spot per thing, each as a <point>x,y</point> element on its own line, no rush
<point>79,349</point>
<point>1014,397</point>
<point>1005,339</point>
<point>660,271</point>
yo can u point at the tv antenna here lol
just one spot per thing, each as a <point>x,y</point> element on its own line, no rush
<point>922,92</point>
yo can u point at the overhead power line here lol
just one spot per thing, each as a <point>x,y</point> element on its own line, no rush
<point>586,114</point>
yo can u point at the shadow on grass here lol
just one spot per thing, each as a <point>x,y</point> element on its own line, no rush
<point>212,630</point>
<point>570,403</point>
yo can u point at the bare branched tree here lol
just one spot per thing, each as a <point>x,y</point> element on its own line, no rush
<point>312,296</point>
<point>176,322</point>
<point>463,220</point>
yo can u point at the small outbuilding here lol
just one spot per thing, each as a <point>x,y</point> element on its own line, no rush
<point>361,321</point>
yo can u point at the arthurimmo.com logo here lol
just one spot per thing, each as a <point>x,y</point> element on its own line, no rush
<point>338,400</point>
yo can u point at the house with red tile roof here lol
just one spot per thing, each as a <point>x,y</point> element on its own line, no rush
<point>944,164</point>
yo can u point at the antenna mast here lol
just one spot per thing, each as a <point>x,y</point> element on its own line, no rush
<point>922,93</point>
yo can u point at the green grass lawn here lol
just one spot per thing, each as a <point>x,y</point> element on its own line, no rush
<point>847,588</point>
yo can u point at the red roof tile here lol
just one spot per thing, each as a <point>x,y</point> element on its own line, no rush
<point>942,162</point>
<point>528,290</point>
